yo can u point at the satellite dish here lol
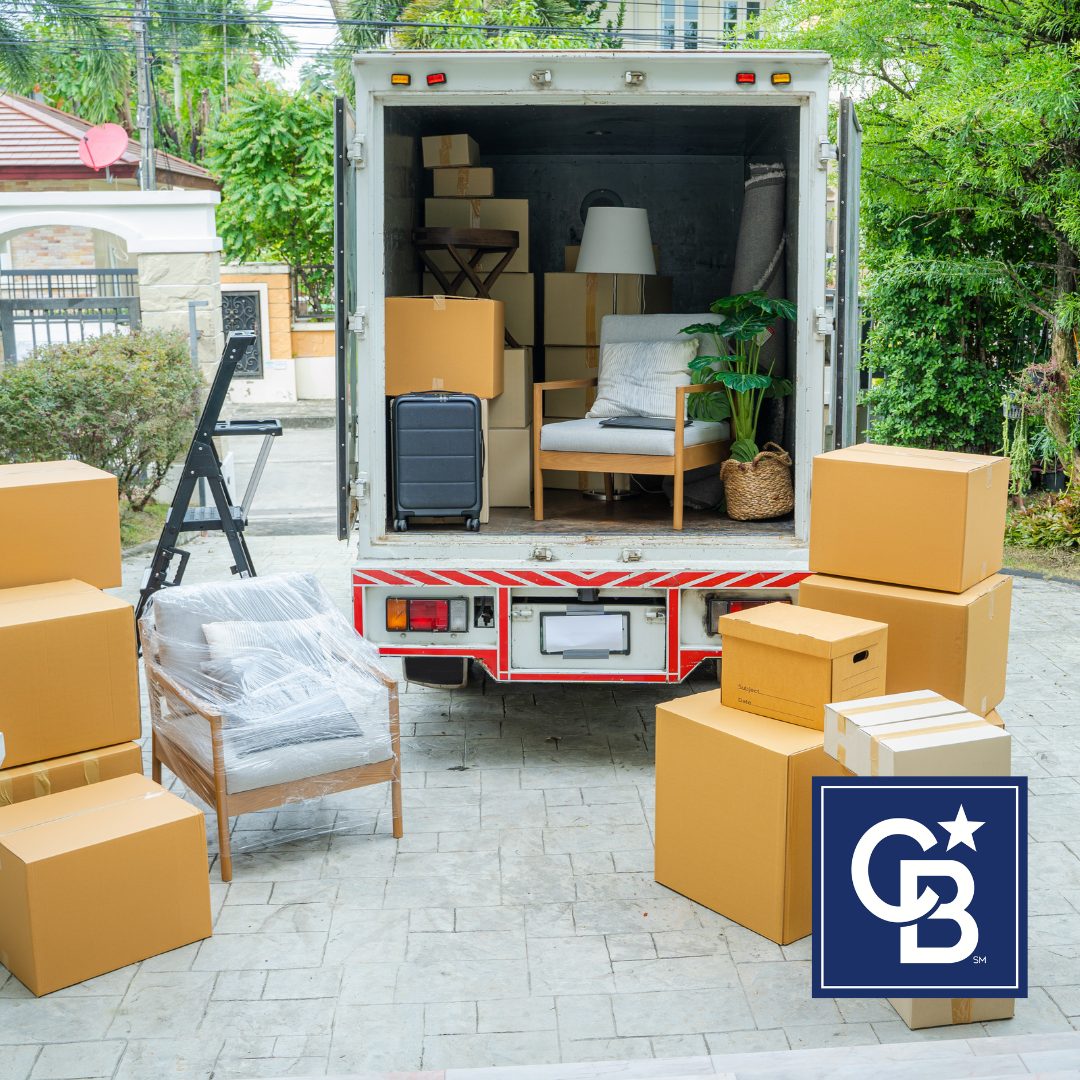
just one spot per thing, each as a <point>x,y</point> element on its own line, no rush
<point>103,145</point>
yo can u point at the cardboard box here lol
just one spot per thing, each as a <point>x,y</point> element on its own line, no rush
<point>464,183</point>
<point>68,678</point>
<point>97,878</point>
<point>513,407</point>
<point>510,466</point>
<point>733,812</point>
<point>789,662</point>
<point>954,643</point>
<point>571,252</point>
<point>577,362</point>
<point>518,295</point>
<point>941,1012</point>
<point>914,734</point>
<point>923,518</point>
<point>449,343</point>
<point>512,214</point>
<point>443,151</point>
<point>994,717</point>
<point>58,520</point>
<point>575,304</point>
<point>64,773</point>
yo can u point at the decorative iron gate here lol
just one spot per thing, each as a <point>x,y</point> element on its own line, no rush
<point>242,310</point>
<point>44,307</point>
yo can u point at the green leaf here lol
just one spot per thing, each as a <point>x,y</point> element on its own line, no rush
<point>741,382</point>
<point>779,388</point>
<point>744,450</point>
<point>709,407</point>
<point>746,325</point>
<point>702,328</point>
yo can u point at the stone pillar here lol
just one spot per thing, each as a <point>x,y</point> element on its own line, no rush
<point>167,281</point>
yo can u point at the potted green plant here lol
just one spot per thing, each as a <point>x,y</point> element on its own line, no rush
<point>757,481</point>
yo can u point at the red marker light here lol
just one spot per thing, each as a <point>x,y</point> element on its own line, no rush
<point>437,79</point>
<point>746,78</point>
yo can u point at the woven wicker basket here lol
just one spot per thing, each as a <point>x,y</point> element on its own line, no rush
<point>761,488</point>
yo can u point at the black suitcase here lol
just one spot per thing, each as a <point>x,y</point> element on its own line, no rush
<point>438,458</point>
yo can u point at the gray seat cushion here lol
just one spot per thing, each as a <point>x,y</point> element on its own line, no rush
<point>588,437</point>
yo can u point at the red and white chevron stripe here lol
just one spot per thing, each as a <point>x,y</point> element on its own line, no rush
<point>581,579</point>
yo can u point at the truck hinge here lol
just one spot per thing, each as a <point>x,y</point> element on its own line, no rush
<point>826,151</point>
<point>521,614</point>
<point>356,152</point>
<point>542,554</point>
<point>630,555</point>
<point>358,489</point>
<point>358,322</point>
<point>823,322</point>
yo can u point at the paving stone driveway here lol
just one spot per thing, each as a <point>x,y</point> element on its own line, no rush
<point>518,921</point>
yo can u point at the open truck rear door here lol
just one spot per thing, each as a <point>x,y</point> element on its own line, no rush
<point>346,316</point>
<point>848,323</point>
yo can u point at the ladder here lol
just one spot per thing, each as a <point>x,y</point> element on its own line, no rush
<point>203,464</point>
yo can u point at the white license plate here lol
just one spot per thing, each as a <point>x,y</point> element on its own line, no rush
<point>606,632</point>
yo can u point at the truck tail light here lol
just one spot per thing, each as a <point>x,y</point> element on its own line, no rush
<point>781,78</point>
<point>715,606</point>
<point>745,78</point>
<point>428,616</point>
<point>437,78</point>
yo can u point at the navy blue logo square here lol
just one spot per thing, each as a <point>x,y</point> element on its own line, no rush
<point>920,886</point>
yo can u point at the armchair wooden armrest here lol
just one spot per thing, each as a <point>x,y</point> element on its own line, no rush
<point>168,686</point>
<point>681,393</point>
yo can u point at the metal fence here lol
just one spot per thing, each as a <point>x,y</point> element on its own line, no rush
<point>312,293</point>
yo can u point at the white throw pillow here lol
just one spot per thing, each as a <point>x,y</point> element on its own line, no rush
<point>638,378</point>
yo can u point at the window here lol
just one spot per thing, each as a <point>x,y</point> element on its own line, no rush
<point>667,24</point>
<point>690,24</point>
<point>731,17</point>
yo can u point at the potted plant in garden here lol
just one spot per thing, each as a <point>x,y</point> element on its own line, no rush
<point>757,481</point>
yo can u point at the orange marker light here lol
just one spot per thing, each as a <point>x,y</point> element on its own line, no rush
<point>746,78</point>
<point>396,615</point>
<point>400,79</point>
<point>438,78</point>
<point>781,78</point>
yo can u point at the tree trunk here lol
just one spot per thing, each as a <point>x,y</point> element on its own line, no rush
<point>1063,364</point>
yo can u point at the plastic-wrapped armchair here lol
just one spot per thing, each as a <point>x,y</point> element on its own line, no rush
<point>262,694</point>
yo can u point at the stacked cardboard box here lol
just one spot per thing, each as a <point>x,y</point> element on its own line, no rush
<point>509,442</point>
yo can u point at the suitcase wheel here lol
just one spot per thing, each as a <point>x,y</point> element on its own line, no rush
<point>401,524</point>
<point>472,524</point>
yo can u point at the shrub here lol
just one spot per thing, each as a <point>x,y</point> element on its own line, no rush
<point>1048,523</point>
<point>125,403</point>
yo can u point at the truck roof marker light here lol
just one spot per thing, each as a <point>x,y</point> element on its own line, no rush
<point>635,78</point>
<point>745,78</point>
<point>541,77</point>
<point>437,78</point>
<point>399,78</point>
<point>781,78</point>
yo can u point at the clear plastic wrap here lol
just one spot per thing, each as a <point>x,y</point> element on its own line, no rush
<point>262,695</point>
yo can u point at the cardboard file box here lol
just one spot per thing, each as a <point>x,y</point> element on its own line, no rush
<point>923,518</point>
<point>451,343</point>
<point>513,407</point>
<point>443,151</point>
<point>518,295</point>
<point>464,183</point>
<point>97,878</point>
<point>512,214</point>
<point>733,812</point>
<point>59,520</point>
<point>789,662</point>
<point>68,679</point>
<point>941,1012</point>
<point>957,644</point>
<point>575,304</point>
<point>509,471</point>
<point>72,771</point>
<point>917,734</point>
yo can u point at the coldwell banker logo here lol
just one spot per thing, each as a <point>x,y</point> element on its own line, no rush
<point>920,887</point>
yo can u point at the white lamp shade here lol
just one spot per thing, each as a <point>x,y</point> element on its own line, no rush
<point>616,241</point>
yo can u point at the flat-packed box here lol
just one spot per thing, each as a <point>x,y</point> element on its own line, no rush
<point>64,773</point>
<point>942,1012</point>
<point>790,662</point>
<point>954,643</point>
<point>464,183</point>
<point>575,304</point>
<point>58,520</point>
<point>924,518</point>
<point>573,362</point>
<point>733,812</point>
<point>512,214</point>
<point>99,877</point>
<point>518,294</point>
<point>509,458</point>
<point>68,678</point>
<point>452,343</point>
<point>513,407</point>
<point>572,251</point>
<point>914,734</point>
<point>449,151</point>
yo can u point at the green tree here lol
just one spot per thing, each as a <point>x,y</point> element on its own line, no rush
<point>273,153</point>
<point>20,56</point>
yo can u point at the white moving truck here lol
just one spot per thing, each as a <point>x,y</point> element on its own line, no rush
<point>675,133</point>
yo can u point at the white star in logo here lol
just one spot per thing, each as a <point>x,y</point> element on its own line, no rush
<point>961,831</point>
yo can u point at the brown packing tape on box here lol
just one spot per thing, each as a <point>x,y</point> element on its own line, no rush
<point>876,741</point>
<point>919,1013</point>
<point>32,781</point>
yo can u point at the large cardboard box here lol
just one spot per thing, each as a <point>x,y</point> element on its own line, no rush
<point>954,643</point>
<point>68,679</point>
<point>97,878</point>
<point>518,294</point>
<point>510,466</point>
<point>733,812</point>
<point>513,407</point>
<point>449,151</point>
<point>914,734</point>
<point>576,362</point>
<point>923,518</point>
<point>464,183</point>
<point>450,343</point>
<point>512,214</point>
<point>72,771</point>
<point>789,662</point>
<point>942,1012</point>
<point>575,304</point>
<point>58,520</point>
